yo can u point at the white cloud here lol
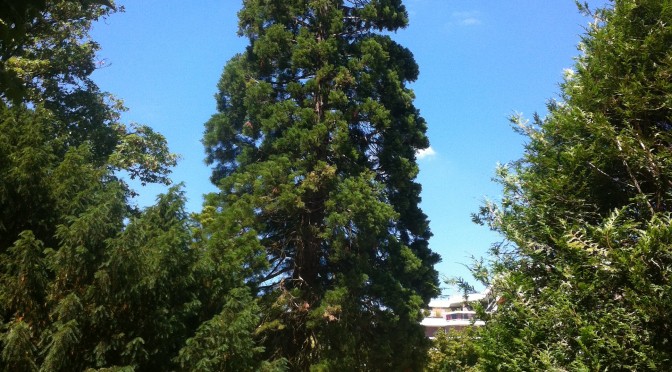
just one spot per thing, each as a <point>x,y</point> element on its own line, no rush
<point>470,21</point>
<point>466,18</point>
<point>425,153</point>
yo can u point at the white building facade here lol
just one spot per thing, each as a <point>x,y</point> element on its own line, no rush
<point>455,312</point>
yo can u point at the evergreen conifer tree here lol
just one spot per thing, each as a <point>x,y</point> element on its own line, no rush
<point>584,275</point>
<point>86,281</point>
<point>313,149</point>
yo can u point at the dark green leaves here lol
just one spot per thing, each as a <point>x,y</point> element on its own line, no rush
<point>314,152</point>
<point>586,211</point>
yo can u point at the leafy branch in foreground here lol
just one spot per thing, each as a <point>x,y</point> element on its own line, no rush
<point>586,211</point>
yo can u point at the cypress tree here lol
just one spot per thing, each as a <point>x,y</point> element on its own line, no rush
<point>313,148</point>
<point>584,273</point>
<point>65,220</point>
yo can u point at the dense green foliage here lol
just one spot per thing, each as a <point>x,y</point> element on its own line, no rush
<point>454,350</point>
<point>585,274</point>
<point>26,23</point>
<point>314,255</point>
<point>314,152</point>
<point>86,281</point>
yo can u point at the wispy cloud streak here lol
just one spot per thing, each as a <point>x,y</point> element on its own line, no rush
<point>471,18</point>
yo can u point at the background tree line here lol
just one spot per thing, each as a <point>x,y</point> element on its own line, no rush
<point>88,282</point>
<point>314,254</point>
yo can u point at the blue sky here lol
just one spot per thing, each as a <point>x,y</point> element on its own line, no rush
<point>480,62</point>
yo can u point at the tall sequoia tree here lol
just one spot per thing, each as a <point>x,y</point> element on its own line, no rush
<point>313,148</point>
<point>586,273</point>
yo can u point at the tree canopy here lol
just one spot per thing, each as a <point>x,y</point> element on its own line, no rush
<point>86,280</point>
<point>313,148</point>
<point>584,271</point>
<point>313,255</point>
